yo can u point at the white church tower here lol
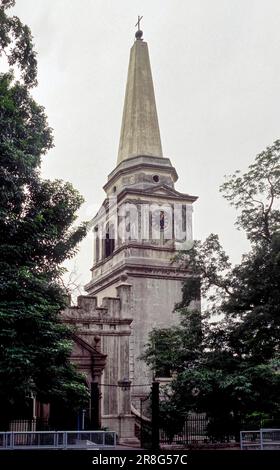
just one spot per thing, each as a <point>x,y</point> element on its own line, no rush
<point>142,223</point>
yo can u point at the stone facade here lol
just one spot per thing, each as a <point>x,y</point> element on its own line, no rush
<point>138,230</point>
<point>105,328</point>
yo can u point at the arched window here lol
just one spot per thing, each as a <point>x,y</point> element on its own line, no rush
<point>97,244</point>
<point>109,242</point>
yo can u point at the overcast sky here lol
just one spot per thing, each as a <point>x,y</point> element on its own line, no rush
<point>216,70</point>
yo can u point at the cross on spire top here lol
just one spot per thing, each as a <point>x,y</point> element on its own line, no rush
<point>138,22</point>
<point>139,33</point>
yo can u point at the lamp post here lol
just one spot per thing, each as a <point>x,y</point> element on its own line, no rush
<point>125,405</point>
<point>155,415</point>
<point>125,384</point>
<point>141,423</point>
<point>95,405</point>
<point>83,419</point>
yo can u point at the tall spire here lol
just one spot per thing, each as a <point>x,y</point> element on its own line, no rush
<point>140,133</point>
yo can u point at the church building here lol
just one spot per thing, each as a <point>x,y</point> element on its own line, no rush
<point>135,283</point>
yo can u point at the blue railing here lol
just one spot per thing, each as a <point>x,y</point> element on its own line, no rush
<point>57,440</point>
<point>264,439</point>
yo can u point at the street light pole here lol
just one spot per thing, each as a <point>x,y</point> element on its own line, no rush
<point>83,419</point>
<point>95,406</point>
<point>155,415</point>
<point>141,424</point>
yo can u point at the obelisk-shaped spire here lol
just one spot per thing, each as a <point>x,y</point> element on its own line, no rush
<point>140,133</point>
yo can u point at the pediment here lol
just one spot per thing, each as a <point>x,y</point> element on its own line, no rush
<point>159,191</point>
<point>82,348</point>
<point>79,351</point>
<point>87,358</point>
<point>164,190</point>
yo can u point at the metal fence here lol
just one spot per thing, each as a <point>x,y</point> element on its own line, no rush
<point>197,430</point>
<point>193,431</point>
<point>57,440</point>
<point>263,439</point>
<point>36,424</point>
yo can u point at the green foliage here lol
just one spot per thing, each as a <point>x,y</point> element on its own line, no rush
<point>16,44</point>
<point>255,194</point>
<point>228,367</point>
<point>172,349</point>
<point>36,236</point>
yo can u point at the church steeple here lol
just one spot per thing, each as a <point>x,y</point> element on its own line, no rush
<point>140,135</point>
<point>141,224</point>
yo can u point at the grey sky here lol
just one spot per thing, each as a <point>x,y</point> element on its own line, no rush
<point>216,69</point>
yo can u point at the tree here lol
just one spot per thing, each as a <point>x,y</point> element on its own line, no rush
<point>36,236</point>
<point>255,194</point>
<point>16,44</point>
<point>233,372</point>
